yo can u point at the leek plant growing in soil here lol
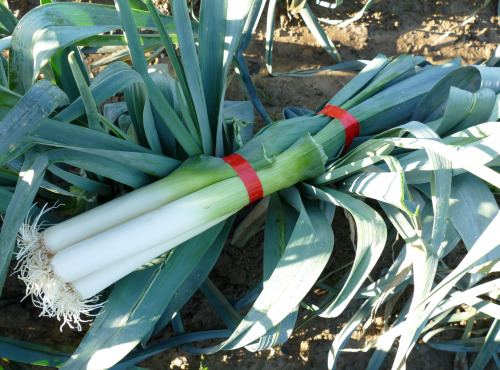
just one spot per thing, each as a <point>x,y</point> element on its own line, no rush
<point>425,150</point>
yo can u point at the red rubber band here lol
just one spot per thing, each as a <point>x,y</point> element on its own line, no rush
<point>350,123</point>
<point>247,174</point>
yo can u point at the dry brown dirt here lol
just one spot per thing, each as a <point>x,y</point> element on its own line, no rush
<point>391,27</point>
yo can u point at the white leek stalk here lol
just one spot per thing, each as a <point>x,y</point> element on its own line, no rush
<point>63,279</point>
<point>208,170</point>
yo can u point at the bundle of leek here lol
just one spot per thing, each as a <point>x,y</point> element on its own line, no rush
<point>66,265</point>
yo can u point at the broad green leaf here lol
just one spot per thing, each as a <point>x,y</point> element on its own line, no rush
<point>239,62</point>
<point>192,283</point>
<point>303,260</point>
<point>489,347</point>
<point>486,243</point>
<point>91,111</point>
<point>26,116</point>
<point>472,207</point>
<point>384,110</point>
<point>484,102</point>
<point>81,182</point>
<point>63,75</point>
<point>468,78</point>
<point>371,237</point>
<point>111,80</point>
<point>99,144</point>
<point>424,251</point>
<point>30,353</point>
<point>395,71</point>
<point>100,165</point>
<point>137,302</point>
<point>157,99</point>
<point>389,187</point>
<point>174,59</point>
<point>474,141</point>
<point>211,50</point>
<point>469,158</point>
<point>48,29</point>
<point>280,220</point>
<point>7,20</point>
<point>139,110</point>
<point>406,94</point>
<point>193,72</point>
<point>31,175</point>
<point>236,19</point>
<point>458,105</point>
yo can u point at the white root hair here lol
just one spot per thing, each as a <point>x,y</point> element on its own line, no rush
<point>55,297</point>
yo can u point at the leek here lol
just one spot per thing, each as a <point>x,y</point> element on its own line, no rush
<point>66,265</point>
<point>63,283</point>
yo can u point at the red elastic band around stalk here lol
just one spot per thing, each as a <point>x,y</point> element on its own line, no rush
<point>350,123</point>
<point>247,174</point>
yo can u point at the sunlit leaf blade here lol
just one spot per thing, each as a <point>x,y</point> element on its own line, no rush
<point>397,70</point>
<point>141,113</point>
<point>346,332</point>
<point>486,243</point>
<point>318,32</point>
<point>310,243</point>
<point>87,140</point>
<point>469,78</point>
<point>357,16</point>
<point>371,235</point>
<point>280,220</point>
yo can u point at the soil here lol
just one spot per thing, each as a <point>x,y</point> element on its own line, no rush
<point>392,28</point>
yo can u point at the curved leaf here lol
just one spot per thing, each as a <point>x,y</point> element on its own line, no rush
<point>371,234</point>
<point>30,111</point>
<point>50,28</point>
